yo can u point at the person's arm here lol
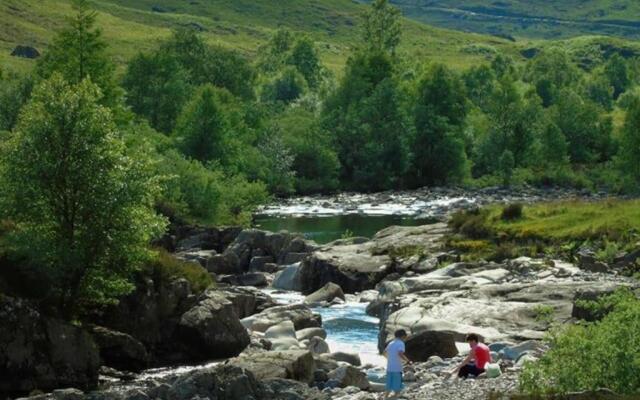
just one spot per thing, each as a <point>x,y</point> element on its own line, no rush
<point>466,361</point>
<point>404,357</point>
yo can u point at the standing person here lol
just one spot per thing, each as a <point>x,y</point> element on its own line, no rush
<point>477,360</point>
<point>395,355</point>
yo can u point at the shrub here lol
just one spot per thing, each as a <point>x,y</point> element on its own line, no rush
<point>595,355</point>
<point>165,267</point>
<point>471,223</point>
<point>512,212</point>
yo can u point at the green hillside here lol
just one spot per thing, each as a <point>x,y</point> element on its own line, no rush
<point>530,18</point>
<point>131,26</point>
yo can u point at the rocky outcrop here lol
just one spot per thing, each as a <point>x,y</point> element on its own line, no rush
<point>299,314</point>
<point>38,352</point>
<point>225,382</point>
<point>211,329</point>
<point>298,365</point>
<point>326,293</point>
<point>347,375</point>
<point>359,267</point>
<point>246,301</point>
<point>119,350</point>
<point>288,279</point>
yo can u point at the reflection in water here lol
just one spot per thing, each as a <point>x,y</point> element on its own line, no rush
<point>324,229</point>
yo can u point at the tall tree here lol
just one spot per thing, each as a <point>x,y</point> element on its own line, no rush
<point>617,71</point>
<point>304,56</point>
<point>550,72</point>
<point>78,52</point>
<point>629,157</point>
<point>81,204</point>
<point>381,28</point>
<point>440,112</point>
<point>157,88</point>
<point>203,127</point>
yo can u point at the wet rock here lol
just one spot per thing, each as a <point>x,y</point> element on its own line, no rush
<point>348,375</point>
<point>298,365</point>
<point>212,329</point>
<point>309,333</point>
<point>327,293</point>
<point>288,279</point>
<point>258,264</point>
<point>299,314</point>
<point>317,345</point>
<point>222,264</point>
<point>254,279</point>
<point>353,359</point>
<point>119,350</point>
<point>286,389</point>
<point>37,352</point>
<point>68,394</point>
<point>247,301</point>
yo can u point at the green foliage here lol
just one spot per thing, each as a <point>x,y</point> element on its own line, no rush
<point>287,87</point>
<point>587,130</point>
<point>304,56</point>
<point>544,313</point>
<point>591,355</point>
<point>506,164</point>
<point>440,111</point>
<point>81,203</point>
<point>629,158</point>
<point>14,93</point>
<point>157,88</point>
<point>617,72</point>
<point>381,28</point>
<point>550,72</point>
<point>279,176</point>
<point>370,128</point>
<point>203,128</point>
<point>79,52</point>
<point>164,267</point>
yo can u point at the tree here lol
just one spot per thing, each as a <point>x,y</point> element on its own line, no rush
<point>550,72</point>
<point>79,52</point>
<point>279,162</point>
<point>629,157</point>
<point>479,82</point>
<point>370,128</point>
<point>617,71</point>
<point>588,132</point>
<point>599,90</point>
<point>507,164</point>
<point>440,112</point>
<point>304,57</point>
<point>203,128</point>
<point>157,88</point>
<point>81,204</point>
<point>14,93</point>
<point>381,28</point>
<point>288,86</point>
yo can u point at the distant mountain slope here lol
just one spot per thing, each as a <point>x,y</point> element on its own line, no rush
<point>530,18</point>
<point>134,25</point>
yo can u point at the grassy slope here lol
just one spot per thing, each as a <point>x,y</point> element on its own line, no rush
<point>554,228</point>
<point>131,26</point>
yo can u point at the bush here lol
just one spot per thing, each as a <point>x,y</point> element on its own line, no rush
<point>512,212</point>
<point>165,267</point>
<point>472,223</point>
<point>595,355</point>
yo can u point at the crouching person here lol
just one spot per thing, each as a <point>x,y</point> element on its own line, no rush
<point>477,361</point>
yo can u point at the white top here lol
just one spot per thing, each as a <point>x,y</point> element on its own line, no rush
<point>394,362</point>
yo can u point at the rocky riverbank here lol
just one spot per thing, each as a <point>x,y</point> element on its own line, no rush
<point>266,350</point>
<point>421,203</point>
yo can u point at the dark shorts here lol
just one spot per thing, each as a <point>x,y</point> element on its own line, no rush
<point>470,369</point>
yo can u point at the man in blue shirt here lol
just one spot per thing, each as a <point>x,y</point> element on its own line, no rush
<point>395,355</point>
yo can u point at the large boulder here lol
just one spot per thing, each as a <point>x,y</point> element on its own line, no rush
<point>300,315</point>
<point>119,350</point>
<point>25,52</point>
<point>212,329</point>
<point>37,352</point>
<point>223,382</point>
<point>359,267</point>
<point>326,293</point>
<point>287,389</point>
<point>288,279</point>
<point>308,333</point>
<point>255,279</point>
<point>247,301</point>
<point>347,375</point>
<point>298,365</point>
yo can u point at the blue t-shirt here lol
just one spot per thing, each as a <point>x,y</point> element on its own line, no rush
<point>394,362</point>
